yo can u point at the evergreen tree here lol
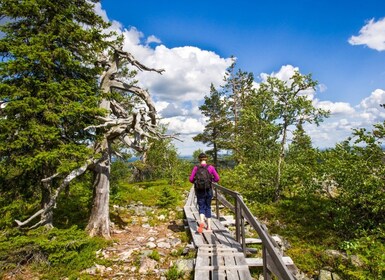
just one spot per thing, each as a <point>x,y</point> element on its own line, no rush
<point>48,90</point>
<point>238,86</point>
<point>300,163</point>
<point>217,129</point>
<point>258,132</point>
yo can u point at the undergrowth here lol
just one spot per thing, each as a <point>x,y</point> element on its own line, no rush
<point>52,253</point>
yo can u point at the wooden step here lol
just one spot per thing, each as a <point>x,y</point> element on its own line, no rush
<point>259,241</point>
<point>258,262</point>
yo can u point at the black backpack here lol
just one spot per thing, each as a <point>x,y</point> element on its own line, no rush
<point>203,178</point>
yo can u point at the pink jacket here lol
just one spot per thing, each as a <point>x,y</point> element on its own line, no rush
<point>210,169</point>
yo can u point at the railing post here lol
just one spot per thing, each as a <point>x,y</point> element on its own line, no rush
<point>237,219</point>
<point>266,273</point>
<point>216,202</point>
<point>243,232</point>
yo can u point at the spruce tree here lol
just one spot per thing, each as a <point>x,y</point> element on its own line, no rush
<point>238,86</point>
<point>48,91</point>
<point>217,129</point>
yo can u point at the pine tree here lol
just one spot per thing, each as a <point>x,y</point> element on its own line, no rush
<point>48,90</point>
<point>217,129</point>
<point>238,86</point>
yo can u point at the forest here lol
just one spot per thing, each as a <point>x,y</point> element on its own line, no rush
<point>72,115</point>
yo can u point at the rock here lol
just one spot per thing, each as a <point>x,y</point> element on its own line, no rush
<point>336,254</point>
<point>185,265</point>
<point>147,265</point>
<point>140,238</point>
<point>124,256</point>
<point>175,242</point>
<point>327,275</point>
<point>96,269</point>
<point>151,245</point>
<point>356,261</point>
<point>153,232</point>
<point>164,245</point>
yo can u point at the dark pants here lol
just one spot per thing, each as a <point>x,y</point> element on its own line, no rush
<point>204,201</point>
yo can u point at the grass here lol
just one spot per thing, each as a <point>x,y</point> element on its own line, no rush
<point>67,249</point>
<point>308,227</point>
<point>149,193</point>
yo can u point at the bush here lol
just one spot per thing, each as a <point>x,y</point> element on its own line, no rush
<point>52,253</point>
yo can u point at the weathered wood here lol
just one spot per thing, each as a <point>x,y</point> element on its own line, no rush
<point>271,255</point>
<point>219,255</point>
<point>222,263</point>
<point>259,241</point>
<point>258,262</point>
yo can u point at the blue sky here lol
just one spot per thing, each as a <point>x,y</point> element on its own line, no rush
<point>341,43</point>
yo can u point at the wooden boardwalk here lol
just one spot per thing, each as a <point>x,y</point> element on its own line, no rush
<point>219,255</point>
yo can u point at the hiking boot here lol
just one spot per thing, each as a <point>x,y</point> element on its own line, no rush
<point>200,228</point>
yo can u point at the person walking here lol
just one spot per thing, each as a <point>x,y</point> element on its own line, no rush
<point>205,195</point>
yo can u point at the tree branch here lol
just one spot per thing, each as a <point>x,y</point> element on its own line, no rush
<point>72,175</point>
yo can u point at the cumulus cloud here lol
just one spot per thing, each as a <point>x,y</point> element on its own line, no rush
<point>344,118</point>
<point>153,39</point>
<point>184,125</point>
<point>285,73</point>
<point>189,71</point>
<point>335,108</point>
<point>371,35</point>
<point>180,90</point>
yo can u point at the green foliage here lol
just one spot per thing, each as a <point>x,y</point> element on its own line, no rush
<point>253,181</point>
<point>367,253</point>
<point>48,79</point>
<point>154,255</point>
<point>15,208</point>
<point>218,126</point>
<point>168,198</point>
<point>53,253</point>
<point>174,273</point>
<point>73,207</point>
<point>149,192</point>
<point>121,172</point>
<point>161,162</point>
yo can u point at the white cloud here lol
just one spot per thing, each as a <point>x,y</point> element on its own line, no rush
<point>184,125</point>
<point>372,35</point>
<point>153,39</point>
<point>344,118</point>
<point>335,108</point>
<point>189,71</point>
<point>285,73</point>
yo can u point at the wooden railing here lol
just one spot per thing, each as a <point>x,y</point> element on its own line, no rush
<point>272,259</point>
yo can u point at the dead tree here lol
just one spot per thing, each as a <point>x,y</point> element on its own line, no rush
<point>130,123</point>
<point>133,129</point>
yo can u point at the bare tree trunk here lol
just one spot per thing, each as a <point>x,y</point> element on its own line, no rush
<point>99,222</point>
<point>46,217</point>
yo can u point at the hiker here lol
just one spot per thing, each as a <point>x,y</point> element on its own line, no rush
<point>204,194</point>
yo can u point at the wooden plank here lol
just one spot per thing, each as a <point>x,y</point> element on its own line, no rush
<point>224,236</point>
<point>190,198</point>
<point>202,274</point>
<point>191,214</point>
<point>241,262</point>
<point>258,262</point>
<point>230,273</point>
<point>224,267</point>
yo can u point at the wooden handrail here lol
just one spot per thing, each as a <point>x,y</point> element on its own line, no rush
<point>272,259</point>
